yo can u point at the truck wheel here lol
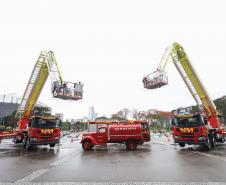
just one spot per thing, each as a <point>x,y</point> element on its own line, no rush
<point>86,145</point>
<point>182,144</point>
<point>213,141</point>
<point>222,139</point>
<point>28,144</point>
<point>52,145</point>
<point>24,142</point>
<point>131,145</point>
<point>16,141</point>
<point>208,144</point>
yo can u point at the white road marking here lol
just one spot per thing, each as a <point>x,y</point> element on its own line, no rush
<point>40,172</point>
<point>118,183</point>
<point>32,176</point>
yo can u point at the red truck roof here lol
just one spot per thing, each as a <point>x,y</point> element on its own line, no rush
<point>118,122</point>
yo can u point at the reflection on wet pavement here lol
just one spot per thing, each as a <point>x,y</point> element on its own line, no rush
<point>159,160</point>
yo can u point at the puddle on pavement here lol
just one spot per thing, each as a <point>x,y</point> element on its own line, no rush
<point>17,151</point>
<point>219,150</point>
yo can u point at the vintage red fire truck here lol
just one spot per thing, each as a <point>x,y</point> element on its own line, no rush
<point>130,133</point>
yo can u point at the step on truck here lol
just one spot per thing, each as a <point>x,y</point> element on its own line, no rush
<point>129,133</point>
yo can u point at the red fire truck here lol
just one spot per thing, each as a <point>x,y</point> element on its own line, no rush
<point>35,129</point>
<point>206,127</point>
<point>131,133</point>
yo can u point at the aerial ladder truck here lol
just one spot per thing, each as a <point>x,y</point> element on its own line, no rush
<point>34,129</point>
<point>203,127</point>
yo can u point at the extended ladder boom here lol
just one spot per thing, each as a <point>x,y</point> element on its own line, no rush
<point>191,79</point>
<point>45,64</point>
<point>34,87</point>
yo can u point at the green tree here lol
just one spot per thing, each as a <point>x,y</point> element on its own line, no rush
<point>66,126</point>
<point>158,121</point>
<point>221,105</point>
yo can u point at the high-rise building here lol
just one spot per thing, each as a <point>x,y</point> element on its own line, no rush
<point>92,114</point>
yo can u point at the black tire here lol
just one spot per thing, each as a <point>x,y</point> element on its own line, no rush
<point>131,145</point>
<point>52,145</point>
<point>16,141</point>
<point>24,141</point>
<point>208,143</point>
<point>86,145</point>
<point>222,139</point>
<point>213,141</point>
<point>182,144</point>
<point>28,144</point>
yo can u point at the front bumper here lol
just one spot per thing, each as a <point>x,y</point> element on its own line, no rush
<point>44,142</point>
<point>190,142</point>
<point>194,141</point>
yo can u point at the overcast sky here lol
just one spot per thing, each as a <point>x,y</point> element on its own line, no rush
<point>109,46</point>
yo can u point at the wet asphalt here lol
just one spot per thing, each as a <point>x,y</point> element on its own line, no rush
<point>157,161</point>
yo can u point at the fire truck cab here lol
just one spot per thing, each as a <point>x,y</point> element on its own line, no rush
<point>42,130</point>
<point>101,133</point>
<point>191,128</point>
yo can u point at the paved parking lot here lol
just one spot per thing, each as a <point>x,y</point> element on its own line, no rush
<point>157,161</point>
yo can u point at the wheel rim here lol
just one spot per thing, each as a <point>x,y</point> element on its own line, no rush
<point>132,146</point>
<point>86,145</point>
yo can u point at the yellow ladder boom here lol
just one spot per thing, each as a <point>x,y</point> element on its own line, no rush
<point>188,74</point>
<point>191,79</point>
<point>34,87</point>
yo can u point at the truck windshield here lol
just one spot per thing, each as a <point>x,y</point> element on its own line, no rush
<point>196,120</point>
<point>144,126</point>
<point>40,123</point>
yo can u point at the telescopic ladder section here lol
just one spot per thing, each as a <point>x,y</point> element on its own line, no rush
<point>55,73</point>
<point>33,89</point>
<point>192,80</point>
<point>179,59</point>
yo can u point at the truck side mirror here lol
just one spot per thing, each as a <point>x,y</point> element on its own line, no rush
<point>173,122</point>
